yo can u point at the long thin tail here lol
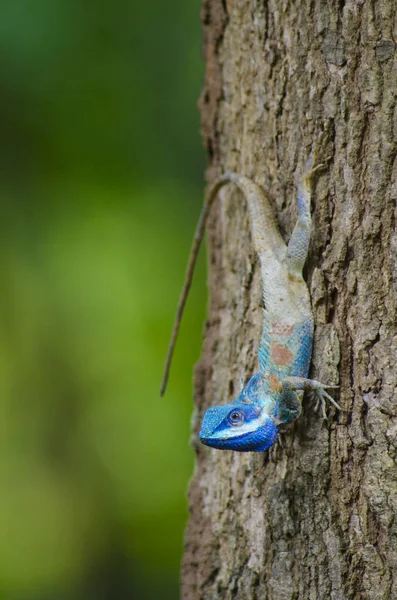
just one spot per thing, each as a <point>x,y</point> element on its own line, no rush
<point>198,236</point>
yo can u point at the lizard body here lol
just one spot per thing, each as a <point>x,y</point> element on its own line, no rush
<point>273,395</point>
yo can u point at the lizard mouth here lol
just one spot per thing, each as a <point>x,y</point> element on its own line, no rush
<point>227,443</point>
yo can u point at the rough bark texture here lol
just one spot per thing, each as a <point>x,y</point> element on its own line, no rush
<point>316,518</point>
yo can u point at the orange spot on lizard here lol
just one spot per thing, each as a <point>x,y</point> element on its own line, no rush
<point>281,355</point>
<point>280,328</point>
<point>274,383</point>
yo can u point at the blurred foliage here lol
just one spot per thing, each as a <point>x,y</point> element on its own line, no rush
<point>100,187</point>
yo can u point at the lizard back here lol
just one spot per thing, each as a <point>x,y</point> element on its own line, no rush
<point>286,343</point>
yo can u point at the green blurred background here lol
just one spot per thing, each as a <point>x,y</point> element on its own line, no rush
<point>101,184</point>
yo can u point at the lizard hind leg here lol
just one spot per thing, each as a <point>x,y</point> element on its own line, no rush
<point>299,243</point>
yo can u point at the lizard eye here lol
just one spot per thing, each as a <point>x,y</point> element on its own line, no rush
<point>236,417</point>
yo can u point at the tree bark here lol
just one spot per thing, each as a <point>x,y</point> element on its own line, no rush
<point>317,517</point>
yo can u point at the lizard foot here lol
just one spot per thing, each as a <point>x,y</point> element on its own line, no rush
<point>321,396</point>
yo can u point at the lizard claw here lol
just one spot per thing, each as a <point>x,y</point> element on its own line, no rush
<point>313,165</point>
<point>321,166</point>
<point>321,395</point>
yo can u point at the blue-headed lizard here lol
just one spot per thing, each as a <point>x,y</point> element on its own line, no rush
<point>272,396</point>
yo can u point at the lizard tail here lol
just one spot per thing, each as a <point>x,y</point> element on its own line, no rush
<point>198,236</point>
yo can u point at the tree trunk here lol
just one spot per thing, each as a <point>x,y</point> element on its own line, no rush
<point>315,518</point>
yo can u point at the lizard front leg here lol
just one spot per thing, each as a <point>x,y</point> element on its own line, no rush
<point>290,399</point>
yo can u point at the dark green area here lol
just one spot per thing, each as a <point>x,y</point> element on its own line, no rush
<point>100,187</point>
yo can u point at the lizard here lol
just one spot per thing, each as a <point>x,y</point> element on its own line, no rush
<point>273,396</point>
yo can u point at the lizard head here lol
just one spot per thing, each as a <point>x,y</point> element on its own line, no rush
<point>244,426</point>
